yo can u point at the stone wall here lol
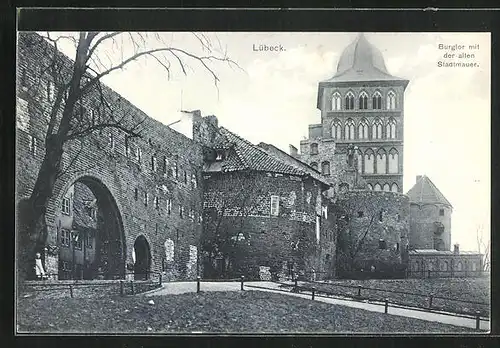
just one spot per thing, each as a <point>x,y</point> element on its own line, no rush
<point>424,226</point>
<point>262,239</point>
<point>444,265</point>
<point>103,159</point>
<point>381,221</point>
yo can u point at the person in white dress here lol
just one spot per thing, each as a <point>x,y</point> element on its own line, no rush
<point>40,272</point>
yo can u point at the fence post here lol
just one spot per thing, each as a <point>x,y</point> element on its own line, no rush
<point>242,280</point>
<point>359,290</point>
<point>132,287</point>
<point>428,273</point>
<point>478,320</point>
<point>161,279</point>
<point>71,290</point>
<point>312,293</point>
<point>296,285</point>
<point>121,288</point>
<point>198,279</point>
<point>431,296</point>
<point>386,305</point>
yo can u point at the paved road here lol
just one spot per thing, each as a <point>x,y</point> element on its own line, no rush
<point>185,287</point>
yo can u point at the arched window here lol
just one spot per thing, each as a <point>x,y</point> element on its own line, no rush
<point>363,101</point>
<point>459,266</point>
<point>360,161</point>
<point>446,266</point>
<point>336,129</point>
<point>369,161</point>
<point>377,187</point>
<point>381,162</point>
<point>416,266</point>
<point>325,168</point>
<point>363,129</point>
<point>336,101</point>
<point>474,266</point>
<point>377,100</point>
<point>387,188</point>
<point>393,161</point>
<point>394,187</point>
<point>390,129</point>
<point>377,129</point>
<point>314,149</point>
<point>349,101</point>
<point>349,129</point>
<point>391,100</point>
<point>370,187</point>
<point>314,165</point>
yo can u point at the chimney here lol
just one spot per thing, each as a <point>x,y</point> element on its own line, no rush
<point>456,249</point>
<point>293,151</point>
<point>418,178</point>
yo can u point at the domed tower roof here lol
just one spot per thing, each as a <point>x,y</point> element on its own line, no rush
<point>360,62</point>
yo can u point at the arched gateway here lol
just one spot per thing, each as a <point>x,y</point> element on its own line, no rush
<point>90,233</point>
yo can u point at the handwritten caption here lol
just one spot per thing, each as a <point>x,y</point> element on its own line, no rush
<point>458,56</point>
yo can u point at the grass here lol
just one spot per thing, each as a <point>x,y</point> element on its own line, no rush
<point>222,312</point>
<point>467,289</point>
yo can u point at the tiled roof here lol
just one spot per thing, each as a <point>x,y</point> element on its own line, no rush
<point>275,152</point>
<point>425,192</point>
<point>243,155</point>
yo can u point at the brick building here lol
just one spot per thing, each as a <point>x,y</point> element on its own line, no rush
<point>138,204</point>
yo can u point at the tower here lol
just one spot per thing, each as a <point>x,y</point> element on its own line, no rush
<point>362,108</point>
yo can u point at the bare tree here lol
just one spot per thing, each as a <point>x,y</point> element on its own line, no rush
<point>483,247</point>
<point>75,84</point>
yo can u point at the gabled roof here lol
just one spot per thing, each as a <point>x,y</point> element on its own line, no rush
<point>425,192</point>
<point>281,155</point>
<point>243,155</point>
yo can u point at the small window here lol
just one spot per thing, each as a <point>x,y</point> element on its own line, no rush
<point>154,166</point>
<point>314,149</point>
<point>382,244</point>
<point>165,165</point>
<point>275,208</point>
<point>441,212</point>
<point>398,217</point>
<point>219,155</point>
<point>169,205</point>
<point>325,168</point>
<point>396,247</point>
<point>88,241</point>
<point>145,199</point>
<point>65,238</point>
<point>194,181</point>
<point>381,216</point>
<point>78,240</point>
<point>136,194</point>
<point>181,211</point>
<point>361,214</point>
<point>111,141</point>
<point>314,165</point>
<point>33,143</point>
<point>66,203</point>
<point>50,90</point>
<point>185,177</point>
<point>175,170</point>
<point>157,203</point>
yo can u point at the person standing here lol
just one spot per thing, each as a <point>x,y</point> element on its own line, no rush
<point>40,272</point>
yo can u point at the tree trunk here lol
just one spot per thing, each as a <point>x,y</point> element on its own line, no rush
<point>32,226</point>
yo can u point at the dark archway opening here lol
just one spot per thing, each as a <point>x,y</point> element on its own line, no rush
<point>142,262</point>
<point>90,233</point>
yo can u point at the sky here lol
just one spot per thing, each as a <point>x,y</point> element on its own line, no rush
<point>271,97</point>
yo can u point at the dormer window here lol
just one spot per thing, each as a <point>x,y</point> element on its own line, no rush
<point>219,155</point>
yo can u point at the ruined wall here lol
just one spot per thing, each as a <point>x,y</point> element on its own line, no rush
<point>382,217</point>
<point>128,176</point>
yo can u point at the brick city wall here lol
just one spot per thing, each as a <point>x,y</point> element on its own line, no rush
<point>386,217</point>
<point>113,170</point>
